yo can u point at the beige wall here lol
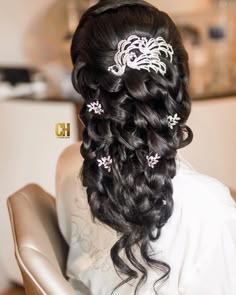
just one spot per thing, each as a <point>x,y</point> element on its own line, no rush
<point>213,150</point>
<point>181,6</point>
<point>17,17</point>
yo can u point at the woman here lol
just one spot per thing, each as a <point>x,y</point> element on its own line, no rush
<point>160,227</point>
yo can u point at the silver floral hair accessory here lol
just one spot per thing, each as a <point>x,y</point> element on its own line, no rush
<point>106,162</point>
<point>149,57</point>
<point>96,107</point>
<point>153,160</point>
<point>172,121</point>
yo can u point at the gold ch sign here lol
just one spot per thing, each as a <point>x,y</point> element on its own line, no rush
<point>62,130</point>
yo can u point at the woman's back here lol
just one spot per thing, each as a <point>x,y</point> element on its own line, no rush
<point>162,224</point>
<point>198,241</point>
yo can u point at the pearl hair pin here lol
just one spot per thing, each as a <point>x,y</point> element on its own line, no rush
<point>148,57</point>
<point>153,160</point>
<point>172,121</point>
<point>95,107</point>
<point>105,162</point>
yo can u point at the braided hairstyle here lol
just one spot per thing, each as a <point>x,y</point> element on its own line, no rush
<point>133,198</point>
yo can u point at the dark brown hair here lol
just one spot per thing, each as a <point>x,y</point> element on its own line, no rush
<point>133,199</point>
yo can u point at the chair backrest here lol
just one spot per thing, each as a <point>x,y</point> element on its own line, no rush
<point>30,122</point>
<point>40,249</point>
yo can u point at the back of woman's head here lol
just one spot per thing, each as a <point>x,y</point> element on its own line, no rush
<point>134,124</point>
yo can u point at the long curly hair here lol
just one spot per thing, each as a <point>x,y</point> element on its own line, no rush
<point>133,198</point>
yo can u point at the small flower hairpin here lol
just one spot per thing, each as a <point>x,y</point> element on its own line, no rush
<point>96,107</point>
<point>153,160</point>
<point>106,162</point>
<point>173,120</point>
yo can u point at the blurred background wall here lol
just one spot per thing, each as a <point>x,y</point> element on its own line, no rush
<point>182,6</point>
<point>36,94</point>
<point>16,18</point>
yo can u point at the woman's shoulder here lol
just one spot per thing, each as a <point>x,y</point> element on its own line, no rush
<point>68,163</point>
<point>71,155</point>
<point>202,196</point>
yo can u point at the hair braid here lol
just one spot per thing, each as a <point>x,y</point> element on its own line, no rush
<point>133,199</point>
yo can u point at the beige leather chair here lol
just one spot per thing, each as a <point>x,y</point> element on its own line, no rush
<point>39,247</point>
<point>36,162</point>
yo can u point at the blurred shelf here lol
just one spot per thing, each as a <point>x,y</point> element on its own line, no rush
<point>214,95</point>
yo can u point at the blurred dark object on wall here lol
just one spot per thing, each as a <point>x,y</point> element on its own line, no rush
<point>22,81</point>
<point>209,38</point>
<point>15,75</point>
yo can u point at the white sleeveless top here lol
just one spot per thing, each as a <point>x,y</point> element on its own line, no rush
<point>198,241</point>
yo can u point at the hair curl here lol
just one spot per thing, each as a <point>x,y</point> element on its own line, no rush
<point>134,124</point>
